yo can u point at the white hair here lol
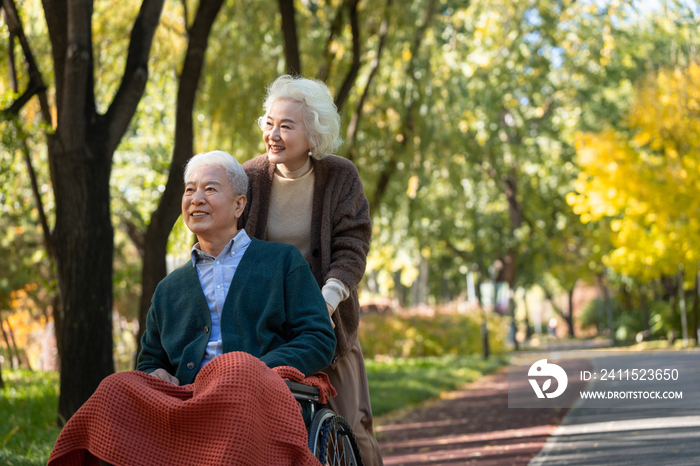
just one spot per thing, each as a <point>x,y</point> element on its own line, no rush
<point>234,170</point>
<point>318,109</point>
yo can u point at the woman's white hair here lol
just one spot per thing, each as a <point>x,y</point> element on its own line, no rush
<point>234,170</point>
<point>318,109</point>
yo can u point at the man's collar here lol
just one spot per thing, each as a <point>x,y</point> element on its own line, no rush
<point>232,247</point>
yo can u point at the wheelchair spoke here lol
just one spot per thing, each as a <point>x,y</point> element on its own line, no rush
<point>332,441</point>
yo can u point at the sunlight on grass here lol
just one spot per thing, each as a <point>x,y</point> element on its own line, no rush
<point>28,410</point>
<point>398,383</point>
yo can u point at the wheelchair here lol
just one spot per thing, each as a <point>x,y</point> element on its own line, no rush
<point>330,437</point>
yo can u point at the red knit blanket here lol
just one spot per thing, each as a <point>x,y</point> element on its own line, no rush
<point>237,412</point>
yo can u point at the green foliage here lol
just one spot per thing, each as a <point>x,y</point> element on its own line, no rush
<point>23,260</point>
<point>627,325</point>
<point>662,320</point>
<point>628,322</point>
<point>593,315</point>
<point>435,335</point>
<point>402,383</point>
<point>28,408</point>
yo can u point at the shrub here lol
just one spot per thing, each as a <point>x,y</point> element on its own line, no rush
<point>443,333</point>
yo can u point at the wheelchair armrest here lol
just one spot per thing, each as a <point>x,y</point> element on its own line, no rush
<point>303,392</point>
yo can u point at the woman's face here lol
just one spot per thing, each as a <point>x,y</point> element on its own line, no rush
<point>284,134</point>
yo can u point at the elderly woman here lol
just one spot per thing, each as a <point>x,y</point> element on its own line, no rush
<point>302,195</point>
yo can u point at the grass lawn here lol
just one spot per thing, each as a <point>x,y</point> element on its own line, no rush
<point>28,409</point>
<point>401,383</point>
<point>29,402</point>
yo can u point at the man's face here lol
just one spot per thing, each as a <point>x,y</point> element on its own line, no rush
<point>209,205</point>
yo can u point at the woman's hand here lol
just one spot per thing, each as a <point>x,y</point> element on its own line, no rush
<point>330,314</point>
<point>164,375</point>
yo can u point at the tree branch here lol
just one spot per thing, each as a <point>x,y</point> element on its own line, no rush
<point>56,14</point>
<point>187,17</point>
<point>291,43</point>
<point>48,236</point>
<point>555,306</point>
<point>464,255</point>
<point>137,237</point>
<point>350,78</point>
<point>36,82</point>
<point>336,25</point>
<point>11,58</point>
<point>408,119</point>
<point>354,121</point>
<point>135,72</point>
<point>22,100</point>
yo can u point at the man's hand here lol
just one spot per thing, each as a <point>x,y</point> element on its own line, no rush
<point>164,375</point>
<point>330,314</point>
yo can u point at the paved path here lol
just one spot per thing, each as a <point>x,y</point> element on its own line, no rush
<point>653,433</point>
<point>472,426</point>
<point>475,426</point>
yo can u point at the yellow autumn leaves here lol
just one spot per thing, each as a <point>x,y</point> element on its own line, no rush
<point>646,179</point>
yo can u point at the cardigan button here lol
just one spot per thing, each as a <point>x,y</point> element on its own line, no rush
<point>206,329</point>
<point>190,365</point>
<point>316,253</point>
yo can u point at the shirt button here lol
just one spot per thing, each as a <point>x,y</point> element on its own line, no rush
<point>190,365</point>
<point>218,286</point>
<point>206,329</point>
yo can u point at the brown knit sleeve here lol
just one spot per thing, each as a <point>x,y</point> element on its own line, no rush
<point>351,230</point>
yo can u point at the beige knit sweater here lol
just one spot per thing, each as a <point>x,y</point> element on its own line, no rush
<point>289,220</point>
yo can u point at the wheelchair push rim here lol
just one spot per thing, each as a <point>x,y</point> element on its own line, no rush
<point>332,441</point>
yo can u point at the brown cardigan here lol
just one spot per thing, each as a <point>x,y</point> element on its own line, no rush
<point>340,230</point>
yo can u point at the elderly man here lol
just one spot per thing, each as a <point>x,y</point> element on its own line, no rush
<point>257,304</point>
<point>255,291</point>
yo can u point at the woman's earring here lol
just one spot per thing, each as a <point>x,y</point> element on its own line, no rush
<point>310,154</point>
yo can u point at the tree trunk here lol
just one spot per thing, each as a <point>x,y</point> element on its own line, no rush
<point>359,107</point>
<point>80,159</point>
<point>84,266</point>
<point>645,307</point>
<point>291,43</point>
<point>570,318</point>
<point>21,355</point>
<point>169,208</point>
<point>608,311</point>
<point>399,289</point>
<point>349,82</point>
<point>681,308</point>
<point>696,310</point>
<point>10,352</point>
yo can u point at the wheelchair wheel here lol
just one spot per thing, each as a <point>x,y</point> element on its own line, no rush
<point>332,441</point>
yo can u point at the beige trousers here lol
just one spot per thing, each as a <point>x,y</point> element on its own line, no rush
<point>349,377</point>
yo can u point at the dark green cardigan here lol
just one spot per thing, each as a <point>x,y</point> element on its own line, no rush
<point>274,310</point>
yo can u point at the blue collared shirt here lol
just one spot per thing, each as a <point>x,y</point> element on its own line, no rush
<point>215,275</point>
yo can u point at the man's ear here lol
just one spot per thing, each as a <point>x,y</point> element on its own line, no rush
<point>241,202</point>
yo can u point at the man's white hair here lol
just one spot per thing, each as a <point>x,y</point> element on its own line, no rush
<point>318,109</point>
<point>234,170</point>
